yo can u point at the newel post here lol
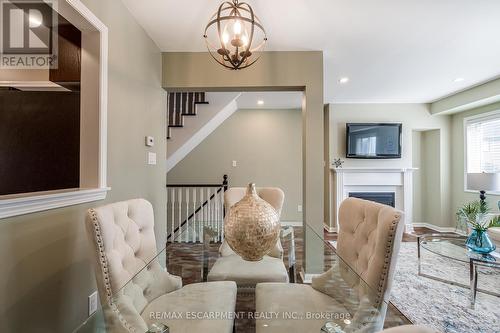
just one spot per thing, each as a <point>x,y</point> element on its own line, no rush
<point>225,183</point>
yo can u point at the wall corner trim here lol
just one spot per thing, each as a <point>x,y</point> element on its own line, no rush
<point>49,200</point>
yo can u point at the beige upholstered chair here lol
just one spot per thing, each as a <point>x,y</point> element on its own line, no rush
<point>231,267</point>
<point>123,243</point>
<point>368,243</point>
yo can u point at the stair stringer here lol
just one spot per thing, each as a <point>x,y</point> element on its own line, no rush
<point>196,129</point>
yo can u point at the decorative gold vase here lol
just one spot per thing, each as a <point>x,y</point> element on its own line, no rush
<point>252,226</point>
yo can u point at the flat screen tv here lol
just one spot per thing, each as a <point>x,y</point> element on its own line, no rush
<point>374,141</point>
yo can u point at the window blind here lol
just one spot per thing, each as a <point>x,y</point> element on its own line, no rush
<point>483,144</point>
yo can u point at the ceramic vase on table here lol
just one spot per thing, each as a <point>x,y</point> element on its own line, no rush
<point>252,226</point>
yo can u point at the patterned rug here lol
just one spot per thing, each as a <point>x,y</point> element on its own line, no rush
<point>439,305</point>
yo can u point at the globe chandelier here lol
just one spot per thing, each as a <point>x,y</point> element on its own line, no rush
<point>235,36</point>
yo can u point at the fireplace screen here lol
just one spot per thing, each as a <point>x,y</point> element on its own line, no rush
<point>386,198</point>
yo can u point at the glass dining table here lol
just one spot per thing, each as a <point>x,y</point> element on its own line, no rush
<point>360,306</point>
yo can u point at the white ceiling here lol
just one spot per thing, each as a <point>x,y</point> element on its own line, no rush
<point>272,100</point>
<point>392,50</point>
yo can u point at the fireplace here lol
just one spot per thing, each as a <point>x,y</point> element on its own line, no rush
<point>390,186</point>
<point>386,198</point>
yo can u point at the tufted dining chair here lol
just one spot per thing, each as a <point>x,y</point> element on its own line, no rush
<point>368,245</point>
<point>134,287</point>
<point>231,267</point>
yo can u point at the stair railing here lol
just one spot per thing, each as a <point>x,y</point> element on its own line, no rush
<point>192,207</point>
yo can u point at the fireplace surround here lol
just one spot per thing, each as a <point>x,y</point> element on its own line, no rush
<point>392,186</point>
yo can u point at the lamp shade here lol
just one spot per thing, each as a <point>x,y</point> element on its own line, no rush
<point>483,181</point>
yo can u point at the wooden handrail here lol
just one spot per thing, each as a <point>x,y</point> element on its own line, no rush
<point>224,183</point>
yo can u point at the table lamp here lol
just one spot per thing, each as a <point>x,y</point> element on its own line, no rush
<point>483,182</point>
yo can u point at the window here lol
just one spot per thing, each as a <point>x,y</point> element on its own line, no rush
<point>483,143</point>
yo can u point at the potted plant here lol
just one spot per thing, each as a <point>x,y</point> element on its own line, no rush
<point>476,215</point>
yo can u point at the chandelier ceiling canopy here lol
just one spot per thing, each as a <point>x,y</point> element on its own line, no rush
<point>235,36</point>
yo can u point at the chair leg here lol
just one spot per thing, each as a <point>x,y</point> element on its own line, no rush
<point>291,274</point>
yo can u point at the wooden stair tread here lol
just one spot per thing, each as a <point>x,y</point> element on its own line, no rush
<point>182,104</point>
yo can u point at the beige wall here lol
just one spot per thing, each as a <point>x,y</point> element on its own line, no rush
<point>274,71</point>
<point>427,179</point>
<point>459,196</point>
<point>45,274</point>
<point>266,144</point>
<point>413,117</point>
<point>432,180</point>
<point>417,175</point>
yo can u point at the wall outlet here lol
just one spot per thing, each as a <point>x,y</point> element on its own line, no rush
<point>235,164</point>
<point>151,158</point>
<point>92,303</point>
<point>299,208</point>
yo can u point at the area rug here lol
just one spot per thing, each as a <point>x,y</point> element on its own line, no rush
<point>439,305</point>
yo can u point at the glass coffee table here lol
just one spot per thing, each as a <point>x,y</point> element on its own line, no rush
<point>452,246</point>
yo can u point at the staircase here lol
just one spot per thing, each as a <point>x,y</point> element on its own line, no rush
<point>191,119</point>
<point>180,105</point>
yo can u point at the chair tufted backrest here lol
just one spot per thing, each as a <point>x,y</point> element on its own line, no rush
<point>273,195</point>
<point>368,244</point>
<point>369,238</point>
<point>123,245</point>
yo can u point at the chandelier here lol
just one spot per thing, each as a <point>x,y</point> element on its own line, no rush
<point>235,37</point>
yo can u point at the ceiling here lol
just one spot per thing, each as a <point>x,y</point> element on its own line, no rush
<point>392,50</point>
<point>270,100</point>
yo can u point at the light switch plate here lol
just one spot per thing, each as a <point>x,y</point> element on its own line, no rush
<point>299,208</point>
<point>235,163</point>
<point>150,141</point>
<point>92,303</point>
<point>151,158</point>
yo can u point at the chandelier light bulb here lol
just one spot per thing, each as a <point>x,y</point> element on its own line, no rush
<point>234,35</point>
<point>237,27</point>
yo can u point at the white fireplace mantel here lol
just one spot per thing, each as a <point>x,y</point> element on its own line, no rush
<point>349,180</point>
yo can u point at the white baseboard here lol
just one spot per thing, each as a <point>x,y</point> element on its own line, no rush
<point>328,228</point>
<point>307,277</point>
<point>437,228</point>
<point>292,223</point>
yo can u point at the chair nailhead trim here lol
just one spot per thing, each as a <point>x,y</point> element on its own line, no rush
<point>387,259</point>
<point>104,268</point>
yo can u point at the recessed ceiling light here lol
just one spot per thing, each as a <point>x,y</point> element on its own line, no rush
<point>344,80</point>
<point>459,79</point>
<point>260,102</point>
